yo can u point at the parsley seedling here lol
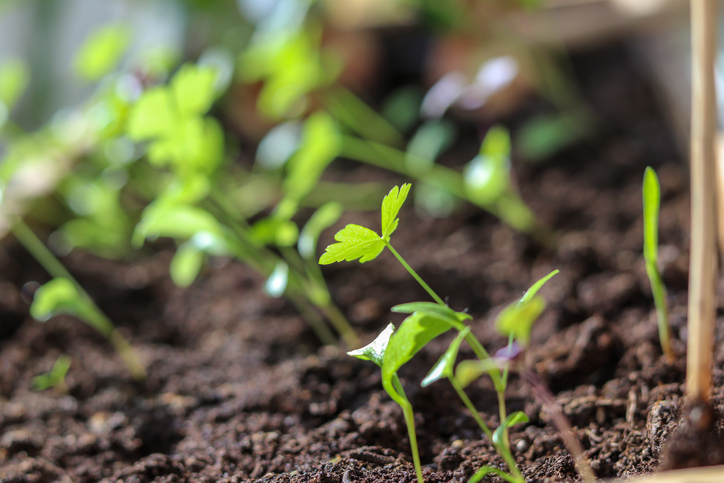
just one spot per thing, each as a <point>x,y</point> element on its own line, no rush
<point>651,201</point>
<point>428,320</point>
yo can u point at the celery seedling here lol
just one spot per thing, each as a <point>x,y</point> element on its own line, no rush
<point>427,320</point>
<point>651,201</point>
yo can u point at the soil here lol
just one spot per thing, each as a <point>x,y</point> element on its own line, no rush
<point>239,389</point>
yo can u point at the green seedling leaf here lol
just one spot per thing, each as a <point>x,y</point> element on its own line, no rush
<point>151,116</point>
<point>275,231</point>
<point>14,78</point>
<point>517,319</point>
<point>186,264</point>
<point>652,200</point>
<point>102,51</point>
<point>430,140</point>
<point>512,419</point>
<point>61,296</point>
<point>487,176</point>
<point>416,332</point>
<point>445,367</point>
<point>276,284</point>
<point>468,372</point>
<point>544,136</point>
<point>443,312</point>
<point>487,470</point>
<point>174,221</point>
<point>54,378</point>
<point>193,89</point>
<point>355,242</point>
<point>321,144</point>
<point>533,290</point>
<point>391,205</point>
<point>322,219</point>
<point>375,350</point>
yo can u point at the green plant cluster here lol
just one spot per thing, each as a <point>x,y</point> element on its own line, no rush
<point>428,320</point>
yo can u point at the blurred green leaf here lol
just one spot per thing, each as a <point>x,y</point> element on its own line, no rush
<point>56,376</point>
<point>512,419</point>
<point>186,264</point>
<point>517,319</point>
<point>543,136</point>
<point>102,51</point>
<point>151,116</point>
<point>322,219</point>
<point>442,312</point>
<point>14,78</point>
<point>174,221</point>
<point>193,89</point>
<point>321,144</point>
<point>61,296</point>
<point>487,176</point>
<point>469,371</point>
<point>430,140</point>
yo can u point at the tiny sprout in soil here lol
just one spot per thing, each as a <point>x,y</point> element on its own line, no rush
<point>428,320</point>
<point>651,201</point>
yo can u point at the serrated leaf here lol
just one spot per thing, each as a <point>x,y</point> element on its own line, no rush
<point>651,200</point>
<point>355,242</point>
<point>186,264</point>
<point>391,207</point>
<point>445,367</point>
<point>193,89</point>
<point>469,371</point>
<point>416,332</point>
<point>510,421</point>
<point>322,219</point>
<point>102,51</point>
<point>443,312</point>
<point>375,350</point>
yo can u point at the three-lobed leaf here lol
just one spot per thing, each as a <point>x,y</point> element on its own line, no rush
<point>391,205</point>
<point>355,242</point>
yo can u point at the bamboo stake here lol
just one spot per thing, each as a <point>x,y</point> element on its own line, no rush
<point>709,474</point>
<point>703,219</point>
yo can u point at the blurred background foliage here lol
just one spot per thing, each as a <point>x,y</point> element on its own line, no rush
<point>214,122</point>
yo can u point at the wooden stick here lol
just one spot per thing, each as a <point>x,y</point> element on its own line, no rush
<point>709,474</point>
<point>703,220</point>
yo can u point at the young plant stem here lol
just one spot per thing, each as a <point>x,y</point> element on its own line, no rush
<point>473,411</point>
<point>702,269</point>
<point>362,119</point>
<point>414,274</point>
<point>319,327</point>
<point>410,423</point>
<point>99,321</point>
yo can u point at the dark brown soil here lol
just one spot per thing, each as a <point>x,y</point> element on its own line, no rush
<point>238,388</point>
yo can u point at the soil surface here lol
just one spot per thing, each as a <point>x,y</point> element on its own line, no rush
<point>239,389</point>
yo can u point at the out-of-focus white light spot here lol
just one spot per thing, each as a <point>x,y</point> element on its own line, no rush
<point>128,87</point>
<point>278,145</point>
<point>442,95</point>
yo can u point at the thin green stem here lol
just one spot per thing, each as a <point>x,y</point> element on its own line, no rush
<point>410,423</point>
<point>361,118</point>
<point>414,274</point>
<point>474,412</point>
<point>341,325</point>
<point>504,449</point>
<point>96,319</point>
<point>317,324</point>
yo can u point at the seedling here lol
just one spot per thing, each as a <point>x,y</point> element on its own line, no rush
<point>55,378</point>
<point>427,320</point>
<point>64,295</point>
<point>651,201</point>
